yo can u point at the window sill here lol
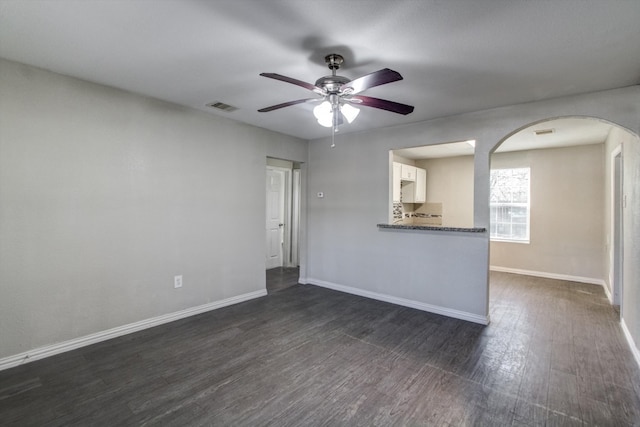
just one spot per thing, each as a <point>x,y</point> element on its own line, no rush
<point>521,242</point>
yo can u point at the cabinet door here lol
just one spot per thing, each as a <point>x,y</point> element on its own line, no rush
<point>421,186</point>
<point>409,192</point>
<point>408,173</point>
<point>396,180</point>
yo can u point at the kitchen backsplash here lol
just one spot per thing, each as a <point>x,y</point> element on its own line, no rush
<point>430,209</point>
<point>397,210</point>
<point>425,210</point>
<point>421,215</point>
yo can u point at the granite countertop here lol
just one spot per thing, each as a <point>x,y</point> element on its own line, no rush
<point>431,228</point>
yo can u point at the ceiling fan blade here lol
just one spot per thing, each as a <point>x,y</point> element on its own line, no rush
<point>291,80</point>
<point>376,78</point>
<point>285,104</point>
<point>383,104</point>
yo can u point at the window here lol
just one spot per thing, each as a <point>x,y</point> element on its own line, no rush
<point>510,203</point>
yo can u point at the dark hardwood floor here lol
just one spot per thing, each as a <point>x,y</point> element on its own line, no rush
<point>282,278</point>
<point>554,354</point>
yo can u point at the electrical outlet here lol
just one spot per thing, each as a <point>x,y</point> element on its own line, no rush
<point>177,281</point>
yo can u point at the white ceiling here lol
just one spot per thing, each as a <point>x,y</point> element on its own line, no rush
<point>448,149</point>
<point>455,56</point>
<point>565,132</point>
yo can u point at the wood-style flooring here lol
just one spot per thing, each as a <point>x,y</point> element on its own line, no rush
<point>554,354</point>
<point>282,278</point>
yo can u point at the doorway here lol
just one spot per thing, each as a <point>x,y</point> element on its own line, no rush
<point>283,194</point>
<point>283,188</point>
<point>576,240</point>
<point>616,248</point>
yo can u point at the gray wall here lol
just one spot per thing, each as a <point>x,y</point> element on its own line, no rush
<point>567,195</point>
<point>441,269</point>
<point>106,195</point>
<point>346,249</point>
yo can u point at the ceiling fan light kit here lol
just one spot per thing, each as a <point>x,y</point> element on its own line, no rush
<point>324,114</point>
<point>326,110</point>
<point>338,93</point>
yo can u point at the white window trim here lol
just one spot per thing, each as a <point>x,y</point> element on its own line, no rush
<point>503,240</point>
<point>527,240</point>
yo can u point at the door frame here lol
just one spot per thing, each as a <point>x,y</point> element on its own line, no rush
<point>295,217</point>
<point>291,215</point>
<point>616,254</point>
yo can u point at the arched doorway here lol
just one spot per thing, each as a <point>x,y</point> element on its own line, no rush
<point>573,227</point>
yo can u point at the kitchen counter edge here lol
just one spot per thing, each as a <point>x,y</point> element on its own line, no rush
<point>432,228</point>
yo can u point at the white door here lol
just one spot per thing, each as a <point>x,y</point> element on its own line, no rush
<point>275,217</point>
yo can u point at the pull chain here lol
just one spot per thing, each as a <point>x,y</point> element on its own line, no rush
<point>334,128</point>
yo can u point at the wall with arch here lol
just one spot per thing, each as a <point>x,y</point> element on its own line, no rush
<point>444,272</point>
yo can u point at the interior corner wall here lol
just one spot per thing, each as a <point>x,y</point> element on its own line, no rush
<point>567,195</point>
<point>106,195</point>
<point>438,269</point>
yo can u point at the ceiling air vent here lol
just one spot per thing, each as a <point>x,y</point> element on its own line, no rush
<point>222,106</point>
<point>541,132</point>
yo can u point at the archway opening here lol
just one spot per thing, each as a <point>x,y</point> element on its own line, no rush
<point>558,202</point>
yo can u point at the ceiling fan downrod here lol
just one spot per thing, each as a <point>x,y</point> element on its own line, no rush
<point>332,84</point>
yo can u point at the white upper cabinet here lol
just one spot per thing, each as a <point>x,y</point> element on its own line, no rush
<point>408,173</point>
<point>421,186</point>
<point>415,191</point>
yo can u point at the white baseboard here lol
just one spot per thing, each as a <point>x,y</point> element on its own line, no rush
<point>589,280</point>
<point>53,349</point>
<point>457,314</point>
<point>607,292</point>
<point>630,341</point>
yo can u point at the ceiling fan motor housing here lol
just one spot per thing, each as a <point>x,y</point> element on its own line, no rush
<point>332,84</point>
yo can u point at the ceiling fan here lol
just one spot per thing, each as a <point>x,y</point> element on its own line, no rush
<point>338,93</point>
